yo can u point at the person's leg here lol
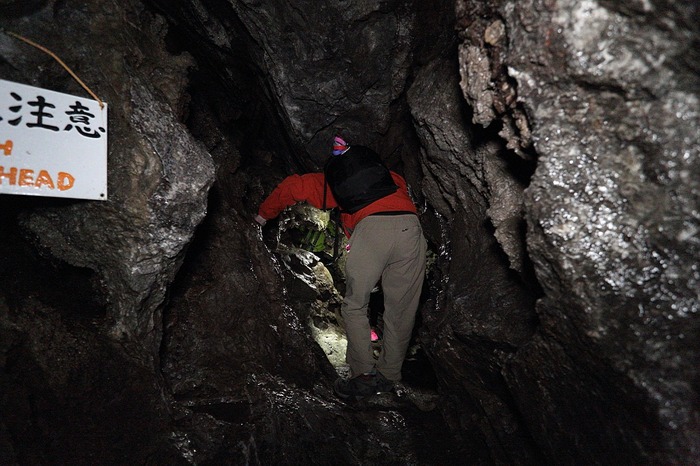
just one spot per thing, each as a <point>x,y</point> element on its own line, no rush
<point>402,283</point>
<point>363,268</point>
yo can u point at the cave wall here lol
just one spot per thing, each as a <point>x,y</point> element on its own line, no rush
<point>83,283</point>
<point>158,181</point>
<point>481,310</point>
<point>350,65</point>
<point>551,146</point>
<point>606,95</point>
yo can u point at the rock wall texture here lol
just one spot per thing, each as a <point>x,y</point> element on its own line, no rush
<point>158,180</point>
<point>551,146</point>
<point>84,282</point>
<point>611,214</point>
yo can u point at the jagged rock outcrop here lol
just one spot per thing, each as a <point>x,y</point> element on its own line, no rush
<point>470,333</point>
<point>159,175</point>
<point>81,325</point>
<point>326,68</point>
<point>611,212</point>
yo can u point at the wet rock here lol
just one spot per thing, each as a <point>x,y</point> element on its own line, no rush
<point>82,304</point>
<point>158,175</point>
<point>279,423</point>
<point>609,211</point>
<point>350,62</point>
<point>464,170</point>
<point>467,334</point>
<point>230,317</point>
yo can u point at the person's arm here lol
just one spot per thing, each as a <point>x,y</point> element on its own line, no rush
<point>292,190</point>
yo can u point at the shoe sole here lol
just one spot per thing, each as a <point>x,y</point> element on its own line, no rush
<point>344,396</point>
<point>376,391</point>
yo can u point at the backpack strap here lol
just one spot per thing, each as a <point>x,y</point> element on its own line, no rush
<point>338,231</point>
<point>325,188</point>
<point>335,219</point>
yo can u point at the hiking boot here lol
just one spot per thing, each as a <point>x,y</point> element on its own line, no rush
<point>382,383</point>
<point>356,388</point>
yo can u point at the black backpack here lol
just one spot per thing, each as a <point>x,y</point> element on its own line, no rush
<point>357,178</point>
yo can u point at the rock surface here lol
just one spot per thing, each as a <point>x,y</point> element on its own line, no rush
<point>551,146</point>
<point>158,180</point>
<point>611,212</point>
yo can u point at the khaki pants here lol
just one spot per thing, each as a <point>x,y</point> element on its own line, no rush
<point>390,247</point>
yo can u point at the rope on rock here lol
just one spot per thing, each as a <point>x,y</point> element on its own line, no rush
<point>55,57</point>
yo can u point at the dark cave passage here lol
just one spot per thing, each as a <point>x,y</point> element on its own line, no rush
<point>28,275</point>
<point>302,242</point>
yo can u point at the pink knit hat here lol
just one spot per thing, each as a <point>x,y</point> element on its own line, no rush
<point>339,146</point>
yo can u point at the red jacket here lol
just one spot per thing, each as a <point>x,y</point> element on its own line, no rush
<point>309,188</point>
